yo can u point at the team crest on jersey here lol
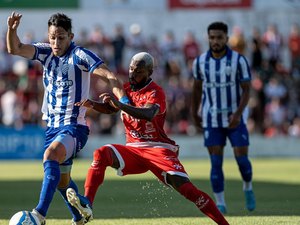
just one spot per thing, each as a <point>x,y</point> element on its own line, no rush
<point>228,70</point>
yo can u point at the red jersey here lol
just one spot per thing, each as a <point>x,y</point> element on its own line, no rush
<point>143,133</point>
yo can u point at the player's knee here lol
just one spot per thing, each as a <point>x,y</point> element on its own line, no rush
<point>176,181</point>
<point>103,156</point>
<point>54,153</point>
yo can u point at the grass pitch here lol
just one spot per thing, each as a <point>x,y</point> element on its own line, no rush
<point>141,199</point>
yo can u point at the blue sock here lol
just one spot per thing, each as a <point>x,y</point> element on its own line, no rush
<point>50,182</point>
<point>76,215</point>
<point>216,173</point>
<point>245,167</point>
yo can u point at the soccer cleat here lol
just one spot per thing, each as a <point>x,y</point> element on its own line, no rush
<point>81,203</point>
<point>39,216</point>
<point>222,209</point>
<point>80,222</point>
<point>250,200</point>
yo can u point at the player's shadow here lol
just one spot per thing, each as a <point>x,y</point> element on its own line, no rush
<point>127,198</point>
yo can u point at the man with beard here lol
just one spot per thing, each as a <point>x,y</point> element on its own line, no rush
<point>147,148</point>
<point>221,93</point>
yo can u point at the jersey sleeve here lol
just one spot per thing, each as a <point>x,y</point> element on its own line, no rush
<point>86,59</point>
<point>42,52</point>
<point>157,96</point>
<point>196,68</point>
<point>243,69</point>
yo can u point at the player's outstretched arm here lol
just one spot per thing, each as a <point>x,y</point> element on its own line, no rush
<point>109,77</point>
<point>103,107</point>
<point>14,45</point>
<point>148,112</point>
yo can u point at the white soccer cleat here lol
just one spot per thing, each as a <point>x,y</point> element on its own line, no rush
<point>81,204</point>
<point>39,216</point>
<point>80,222</point>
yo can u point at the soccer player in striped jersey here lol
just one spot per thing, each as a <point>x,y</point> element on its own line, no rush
<point>147,148</point>
<point>220,96</point>
<point>66,78</point>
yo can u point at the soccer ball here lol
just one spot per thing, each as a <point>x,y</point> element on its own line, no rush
<point>24,218</point>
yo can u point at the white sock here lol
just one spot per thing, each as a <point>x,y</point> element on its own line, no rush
<point>247,186</point>
<point>220,199</point>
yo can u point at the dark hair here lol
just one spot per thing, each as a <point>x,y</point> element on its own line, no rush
<point>60,20</point>
<point>218,26</point>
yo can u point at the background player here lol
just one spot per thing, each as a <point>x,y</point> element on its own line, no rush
<point>147,145</point>
<point>66,78</point>
<point>221,90</point>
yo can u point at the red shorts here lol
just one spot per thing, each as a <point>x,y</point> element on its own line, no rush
<point>137,160</point>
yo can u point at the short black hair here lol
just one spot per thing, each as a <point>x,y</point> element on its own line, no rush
<point>218,26</point>
<point>60,20</point>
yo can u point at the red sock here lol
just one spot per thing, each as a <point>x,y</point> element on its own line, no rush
<point>96,172</point>
<point>203,202</point>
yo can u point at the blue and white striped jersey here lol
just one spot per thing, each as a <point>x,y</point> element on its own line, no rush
<point>66,81</point>
<point>221,91</point>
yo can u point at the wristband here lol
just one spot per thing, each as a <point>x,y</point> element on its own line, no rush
<point>124,100</point>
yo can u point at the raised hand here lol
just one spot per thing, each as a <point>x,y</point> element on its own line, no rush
<point>13,20</point>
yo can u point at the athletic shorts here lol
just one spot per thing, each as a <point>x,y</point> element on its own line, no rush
<point>78,132</point>
<point>137,160</point>
<point>238,136</point>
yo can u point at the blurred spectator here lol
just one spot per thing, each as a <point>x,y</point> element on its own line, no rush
<point>273,41</point>
<point>237,40</point>
<point>294,48</point>
<point>82,38</point>
<point>274,89</point>
<point>118,43</point>
<point>256,50</point>
<point>294,129</point>
<point>100,44</point>
<point>8,106</point>
<point>154,49</point>
<point>191,49</point>
<point>136,42</point>
<point>275,117</point>
<point>171,55</point>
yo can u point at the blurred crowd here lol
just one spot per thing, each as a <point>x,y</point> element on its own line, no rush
<point>274,103</point>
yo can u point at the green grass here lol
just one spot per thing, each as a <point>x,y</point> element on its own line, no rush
<point>141,199</point>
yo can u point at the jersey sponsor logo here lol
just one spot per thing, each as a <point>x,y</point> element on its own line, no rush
<point>61,83</point>
<point>64,83</point>
<point>219,85</point>
<point>136,134</point>
<point>224,110</point>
